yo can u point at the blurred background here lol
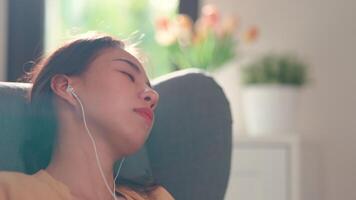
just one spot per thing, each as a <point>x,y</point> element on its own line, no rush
<point>225,37</point>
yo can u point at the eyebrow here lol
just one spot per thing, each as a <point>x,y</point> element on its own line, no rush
<point>133,65</point>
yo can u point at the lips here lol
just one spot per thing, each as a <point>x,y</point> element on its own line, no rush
<point>146,113</point>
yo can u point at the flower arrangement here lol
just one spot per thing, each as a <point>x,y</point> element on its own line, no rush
<point>272,68</point>
<point>208,43</point>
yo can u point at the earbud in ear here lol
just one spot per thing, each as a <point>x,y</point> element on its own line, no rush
<point>70,89</point>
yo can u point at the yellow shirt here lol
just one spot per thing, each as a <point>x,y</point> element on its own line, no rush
<point>42,186</point>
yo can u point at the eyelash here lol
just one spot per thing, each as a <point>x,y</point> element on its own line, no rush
<point>129,75</point>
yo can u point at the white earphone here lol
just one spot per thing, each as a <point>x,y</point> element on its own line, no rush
<point>70,89</point>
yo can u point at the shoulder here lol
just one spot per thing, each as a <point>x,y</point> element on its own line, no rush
<point>17,185</point>
<point>9,178</point>
<point>9,181</point>
<point>160,193</point>
<point>157,193</point>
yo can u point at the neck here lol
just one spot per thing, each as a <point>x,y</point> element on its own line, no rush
<point>75,164</point>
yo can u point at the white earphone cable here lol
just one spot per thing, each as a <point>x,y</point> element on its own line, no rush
<point>96,153</point>
<point>117,173</point>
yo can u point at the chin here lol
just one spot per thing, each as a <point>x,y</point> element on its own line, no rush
<point>134,144</point>
<point>133,148</point>
<point>132,137</point>
<point>139,142</point>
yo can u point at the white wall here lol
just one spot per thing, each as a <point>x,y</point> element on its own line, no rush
<point>3,31</point>
<point>324,33</point>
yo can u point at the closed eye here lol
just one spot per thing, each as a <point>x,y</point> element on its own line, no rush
<point>129,75</point>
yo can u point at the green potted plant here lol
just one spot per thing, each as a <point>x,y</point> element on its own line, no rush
<point>271,87</point>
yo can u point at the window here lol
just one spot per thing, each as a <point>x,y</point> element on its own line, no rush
<point>65,18</point>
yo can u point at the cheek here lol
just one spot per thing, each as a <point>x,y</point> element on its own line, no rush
<point>113,114</point>
<point>103,101</point>
<point>107,95</point>
<point>109,110</point>
<point>110,103</point>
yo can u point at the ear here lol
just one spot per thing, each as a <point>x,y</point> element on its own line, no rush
<point>59,84</point>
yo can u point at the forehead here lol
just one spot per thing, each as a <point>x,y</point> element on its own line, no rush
<point>108,58</point>
<point>112,54</point>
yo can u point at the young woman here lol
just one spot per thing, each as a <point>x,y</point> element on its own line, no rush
<point>93,105</point>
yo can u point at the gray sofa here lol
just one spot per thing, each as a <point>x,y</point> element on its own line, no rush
<point>188,151</point>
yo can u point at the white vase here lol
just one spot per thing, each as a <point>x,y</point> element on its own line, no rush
<point>270,109</point>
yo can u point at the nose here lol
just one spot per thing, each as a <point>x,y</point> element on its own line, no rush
<point>151,97</point>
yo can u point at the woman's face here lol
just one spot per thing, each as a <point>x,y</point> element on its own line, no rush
<point>118,99</point>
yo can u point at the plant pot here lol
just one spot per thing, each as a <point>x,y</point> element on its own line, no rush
<point>270,109</point>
